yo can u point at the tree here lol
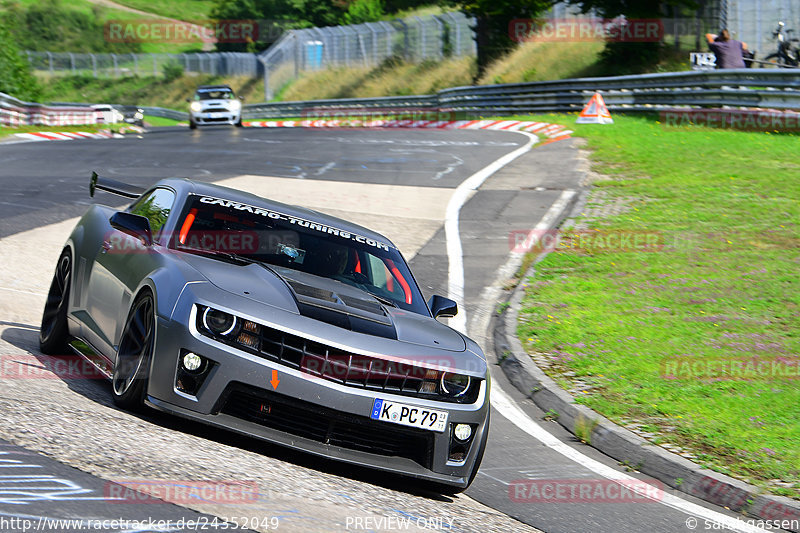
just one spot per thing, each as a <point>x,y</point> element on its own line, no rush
<point>277,14</point>
<point>634,57</point>
<point>492,23</point>
<point>15,73</point>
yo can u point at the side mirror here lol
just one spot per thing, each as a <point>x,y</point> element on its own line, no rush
<point>241,98</point>
<point>441,306</point>
<point>189,100</point>
<point>135,225</point>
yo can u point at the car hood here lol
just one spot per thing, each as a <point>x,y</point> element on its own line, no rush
<point>326,300</point>
<point>216,102</point>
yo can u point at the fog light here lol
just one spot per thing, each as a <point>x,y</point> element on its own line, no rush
<point>192,362</point>
<point>462,432</point>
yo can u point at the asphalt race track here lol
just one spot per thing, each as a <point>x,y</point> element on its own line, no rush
<point>65,450</point>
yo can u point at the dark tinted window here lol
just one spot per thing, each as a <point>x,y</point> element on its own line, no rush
<point>217,225</point>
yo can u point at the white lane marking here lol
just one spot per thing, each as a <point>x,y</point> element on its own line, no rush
<point>506,407</point>
<point>324,169</point>
<point>455,260</point>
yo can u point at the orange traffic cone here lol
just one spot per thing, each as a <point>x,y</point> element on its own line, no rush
<point>595,112</point>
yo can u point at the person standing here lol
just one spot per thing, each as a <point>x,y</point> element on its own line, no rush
<point>729,52</point>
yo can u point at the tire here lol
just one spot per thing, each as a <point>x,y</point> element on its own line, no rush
<point>192,125</point>
<point>772,61</point>
<point>53,333</point>
<point>239,123</point>
<point>135,352</point>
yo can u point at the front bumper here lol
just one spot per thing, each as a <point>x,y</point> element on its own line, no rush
<point>216,117</point>
<point>306,412</point>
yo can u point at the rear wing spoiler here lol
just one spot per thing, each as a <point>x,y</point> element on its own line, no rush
<point>113,186</point>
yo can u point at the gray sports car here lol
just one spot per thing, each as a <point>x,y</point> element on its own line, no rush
<point>274,321</point>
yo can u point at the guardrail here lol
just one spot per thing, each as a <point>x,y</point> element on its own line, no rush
<point>15,112</point>
<point>754,88</point>
<point>750,88</point>
<point>165,113</point>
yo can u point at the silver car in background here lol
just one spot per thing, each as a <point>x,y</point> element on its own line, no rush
<point>214,104</point>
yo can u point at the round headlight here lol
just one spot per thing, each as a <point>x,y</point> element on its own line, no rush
<point>454,384</point>
<point>236,105</point>
<point>196,106</point>
<point>218,322</point>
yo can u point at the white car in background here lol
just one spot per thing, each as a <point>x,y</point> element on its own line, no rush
<point>106,114</point>
<point>214,104</point>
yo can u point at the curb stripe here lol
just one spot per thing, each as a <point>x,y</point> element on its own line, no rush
<point>553,132</point>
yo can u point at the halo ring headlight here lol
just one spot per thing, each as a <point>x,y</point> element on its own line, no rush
<point>219,322</point>
<point>455,385</point>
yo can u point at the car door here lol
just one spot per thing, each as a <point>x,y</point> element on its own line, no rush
<point>121,263</point>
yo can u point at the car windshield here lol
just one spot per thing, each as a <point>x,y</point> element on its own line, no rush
<point>225,228</point>
<point>221,94</point>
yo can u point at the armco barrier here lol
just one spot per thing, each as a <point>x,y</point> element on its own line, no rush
<point>14,112</point>
<point>748,88</point>
<point>752,88</point>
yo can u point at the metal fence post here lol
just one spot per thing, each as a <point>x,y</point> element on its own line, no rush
<point>72,62</point>
<point>423,48</point>
<point>94,65</point>
<point>135,64</point>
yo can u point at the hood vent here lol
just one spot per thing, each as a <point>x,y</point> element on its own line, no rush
<point>348,312</point>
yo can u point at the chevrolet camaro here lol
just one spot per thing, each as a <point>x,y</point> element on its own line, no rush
<point>274,321</point>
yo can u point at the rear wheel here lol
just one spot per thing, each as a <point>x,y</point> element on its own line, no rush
<point>771,61</point>
<point>53,333</point>
<point>129,380</point>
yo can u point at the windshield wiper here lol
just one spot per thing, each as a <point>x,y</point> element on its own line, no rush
<point>382,299</point>
<point>218,253</point>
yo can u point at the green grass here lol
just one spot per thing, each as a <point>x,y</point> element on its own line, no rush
<point>189,10</point>
<point>393,77</point>
<point>143,90</point>
<point>161,121</point>
<point>105,14</point>
<point>724,287</point>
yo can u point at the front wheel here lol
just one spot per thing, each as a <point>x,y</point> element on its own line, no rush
<point>131,368</point>
<point>53,333</point>
<point>192,124</point>
<point>239,123</point>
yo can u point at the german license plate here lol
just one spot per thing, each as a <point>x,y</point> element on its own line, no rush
<point>409,415</point>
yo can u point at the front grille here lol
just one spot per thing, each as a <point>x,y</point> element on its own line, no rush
<point>350,369</point>
<point>319,424</point>
<point>340,366</point>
